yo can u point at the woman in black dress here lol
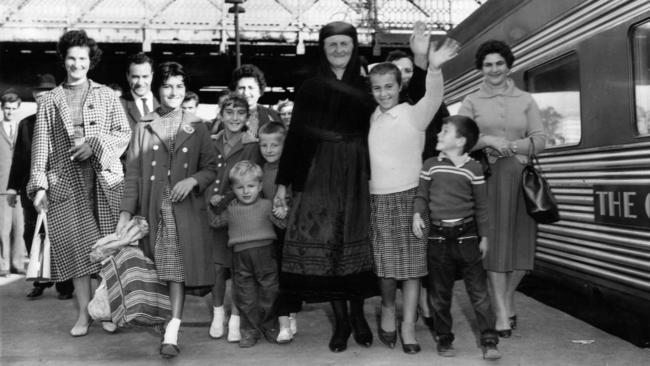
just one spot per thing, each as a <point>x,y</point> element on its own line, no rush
<point>327,254</point>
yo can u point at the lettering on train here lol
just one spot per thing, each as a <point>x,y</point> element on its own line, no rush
<point>627,205</point>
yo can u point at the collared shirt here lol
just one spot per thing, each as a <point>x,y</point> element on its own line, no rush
<point>450,191</point>
<point>10,128</point>
<point>139,104</point>
<point>396,140</point>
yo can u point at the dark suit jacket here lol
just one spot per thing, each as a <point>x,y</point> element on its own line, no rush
<point>21,161</point>
<point>131,109</point>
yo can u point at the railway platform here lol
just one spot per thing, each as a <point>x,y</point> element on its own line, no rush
<point>36,333</point>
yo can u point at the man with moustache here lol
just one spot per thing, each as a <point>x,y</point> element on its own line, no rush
<point>139,100</point>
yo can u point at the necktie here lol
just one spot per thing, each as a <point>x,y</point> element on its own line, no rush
<point>145,107</point>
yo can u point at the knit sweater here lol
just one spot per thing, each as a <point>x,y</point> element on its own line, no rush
<point>453,192</point>
<point>249,226</point>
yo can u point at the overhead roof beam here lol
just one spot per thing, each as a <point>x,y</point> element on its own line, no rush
<point>14,11</point>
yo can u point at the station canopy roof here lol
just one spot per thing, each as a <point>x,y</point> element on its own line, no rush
<point>209,21</point>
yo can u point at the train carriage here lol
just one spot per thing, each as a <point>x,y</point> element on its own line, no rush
<point>587,64</point>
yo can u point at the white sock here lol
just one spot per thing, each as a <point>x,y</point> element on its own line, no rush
<point>216,327</point>
<point>171,332</point>
<point>233,329</point>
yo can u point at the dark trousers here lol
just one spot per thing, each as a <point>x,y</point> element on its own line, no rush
<point>255,276</point>
<point>286,303</point>
<point>454,250</point>
<point>29,217</point>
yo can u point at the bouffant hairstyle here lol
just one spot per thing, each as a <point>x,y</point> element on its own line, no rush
<point>397,55</point>
<point>248,71</point>
<point>9,97</point>
<point>78,38</point>
<point>386,68</point>
<point>494,46</point>
<point>165,71</point>
<point>465,127</point>
<point>243,168</point>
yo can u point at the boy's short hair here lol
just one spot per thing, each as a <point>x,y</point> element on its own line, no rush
<point>244,167</point>
<point>190,95</point>
<point>465,127</point>
<point>273,127</point>
<point>234,100</point>
<point>9,97</point>
<point>387,68</point>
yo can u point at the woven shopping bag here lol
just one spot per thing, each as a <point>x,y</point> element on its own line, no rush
<point>39,257</point>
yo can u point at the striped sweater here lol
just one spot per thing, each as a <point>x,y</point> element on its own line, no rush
<point>453,192</point>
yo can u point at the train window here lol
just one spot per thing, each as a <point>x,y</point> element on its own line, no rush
<point>555,86</point>
<point>641,51</point>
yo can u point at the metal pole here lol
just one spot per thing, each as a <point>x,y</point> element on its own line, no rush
<point>237,50</point>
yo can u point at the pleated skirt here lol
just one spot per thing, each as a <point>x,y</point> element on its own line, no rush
<point>512,231</point>
<point>398,253</point>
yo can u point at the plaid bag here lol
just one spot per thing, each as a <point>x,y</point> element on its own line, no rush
<point>136,295</point>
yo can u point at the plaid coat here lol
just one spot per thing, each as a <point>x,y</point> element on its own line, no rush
<point>149,169</point>
<point>72,224</point>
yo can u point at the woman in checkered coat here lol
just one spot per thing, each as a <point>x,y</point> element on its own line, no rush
<point>81,131</point>
<point>170,163</point>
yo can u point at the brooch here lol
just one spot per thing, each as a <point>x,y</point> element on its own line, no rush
<point>188,129</point>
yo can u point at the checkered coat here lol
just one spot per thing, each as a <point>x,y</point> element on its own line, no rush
<point>150,169</point>
<point>72,224</point>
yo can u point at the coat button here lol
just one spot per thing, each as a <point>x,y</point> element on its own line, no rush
<point>216,189</point>
<point>169,172</point>
<point>153,177</point>
<point>220,156</point>
<point>219,165</point>
<point>185,165</point>
<point>153,163</point>
<point>217,181</point>
<point>155,147</point>
<point>184,149</point>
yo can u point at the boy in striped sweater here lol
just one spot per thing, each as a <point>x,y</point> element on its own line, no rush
<point>250,221</point>
<point>452,188</point>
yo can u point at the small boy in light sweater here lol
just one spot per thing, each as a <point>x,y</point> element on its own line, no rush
<point>250,221</point>
<point>452,189</point>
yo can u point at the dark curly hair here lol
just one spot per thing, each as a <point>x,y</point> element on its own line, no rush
<point>248,71</point>
<point>166,70</point>
<point>493,46</point>
<point>138,59</point>
<point>78,38</point>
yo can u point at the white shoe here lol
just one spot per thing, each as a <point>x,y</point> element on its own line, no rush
<point>109,327</point>
<point>234,335</point>
<point>216,327</point>
<point>284,336</point>
<point>293,325</point>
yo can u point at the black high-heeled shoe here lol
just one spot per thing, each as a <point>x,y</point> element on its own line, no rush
<point>361,330</point>
<point>387,338</point>
<point>513,321</point>
<point>505,333</point>
<point>339,340</point>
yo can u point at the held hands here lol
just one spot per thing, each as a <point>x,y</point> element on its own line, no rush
<point>125,217</point>
<point>418,226</point>
<point>40,201</point>
<point>447,51</point>
<point>280,212</point>
<point>81,152</point>
<point>280,199</point>
<point>503,146</point>
<point>183,188</point>
<point>483,246</point>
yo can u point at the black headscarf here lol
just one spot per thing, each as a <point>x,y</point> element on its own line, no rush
<point>352,72</point>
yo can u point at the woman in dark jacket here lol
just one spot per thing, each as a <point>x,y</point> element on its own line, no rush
<point>170,163</point>
<point>327,254</point>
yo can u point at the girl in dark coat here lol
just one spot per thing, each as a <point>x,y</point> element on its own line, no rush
<point>327,255</point>
<point>170,164</point>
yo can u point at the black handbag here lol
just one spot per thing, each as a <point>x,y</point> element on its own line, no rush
<point>540,202</point>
